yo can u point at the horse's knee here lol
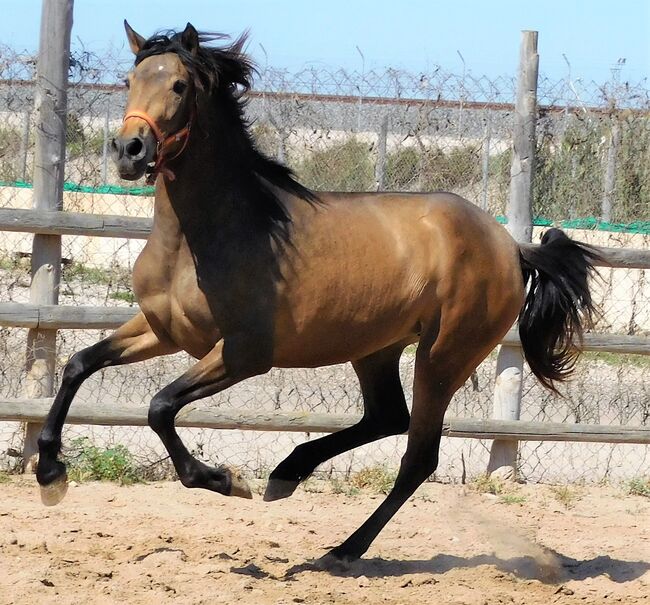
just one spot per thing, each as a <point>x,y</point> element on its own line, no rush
<point>161,413</point>
<point>76,368</point>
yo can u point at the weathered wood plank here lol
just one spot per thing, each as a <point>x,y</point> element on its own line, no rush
<point>64,317</point>
<point>74,223</point>
<point>624,258</point>
<point>611,343</point>
<point>35,410</point>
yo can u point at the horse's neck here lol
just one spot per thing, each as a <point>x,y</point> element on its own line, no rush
<point>208,199</point>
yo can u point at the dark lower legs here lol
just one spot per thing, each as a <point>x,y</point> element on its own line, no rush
<point>385,413</point>
<point>134,341</point>
<point>441,367</point>
<point>205,378</point>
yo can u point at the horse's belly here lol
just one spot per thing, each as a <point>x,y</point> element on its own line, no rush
<point>333,335</point>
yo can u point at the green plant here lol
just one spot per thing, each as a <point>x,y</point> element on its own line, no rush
<point>402,169</point>
<point>4,477</point>
<point>379,479</point>
<point>512,498</point>
<point>126,296</point>
<point>343,487</point>
<point>9,141</point>
<point>430,168</point>
<point>343,166</point>
<point>87,462</point>
<point>639,487</point>
<point>568,176</point>
<point>617,359</point>
<point>632,187</point>
<point>486,484</point>
<point>565,495</point>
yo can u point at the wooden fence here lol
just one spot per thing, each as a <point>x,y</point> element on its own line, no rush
<point>43,316</point>
<point>56,317</point>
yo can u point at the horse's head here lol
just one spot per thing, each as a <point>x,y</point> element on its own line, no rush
<point>160,105</point>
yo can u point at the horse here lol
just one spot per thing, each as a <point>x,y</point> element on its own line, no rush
<point>245,269</point>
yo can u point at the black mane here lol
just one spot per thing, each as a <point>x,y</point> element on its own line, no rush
<point>222,72</point>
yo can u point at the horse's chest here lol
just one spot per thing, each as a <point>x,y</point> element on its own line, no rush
<point>175,307</point>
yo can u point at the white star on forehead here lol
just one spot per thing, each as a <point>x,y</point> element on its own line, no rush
<point>161,67</point>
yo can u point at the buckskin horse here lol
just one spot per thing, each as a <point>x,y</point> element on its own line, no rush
<point>246,269</point>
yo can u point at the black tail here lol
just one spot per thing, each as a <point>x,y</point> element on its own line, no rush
<point>558,304</point>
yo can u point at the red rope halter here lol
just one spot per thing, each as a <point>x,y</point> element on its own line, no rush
<point>162,145</point>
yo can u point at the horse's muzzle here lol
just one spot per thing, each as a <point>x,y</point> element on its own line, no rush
<point>131,157</point>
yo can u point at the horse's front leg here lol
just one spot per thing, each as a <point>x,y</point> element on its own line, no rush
<point>134,341</point>
<point>210,375</point>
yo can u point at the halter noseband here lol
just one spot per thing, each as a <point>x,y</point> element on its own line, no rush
<point>162,145</point>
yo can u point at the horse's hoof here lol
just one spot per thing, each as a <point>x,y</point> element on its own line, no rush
<point>276,489</point>
<point>239,486</point>
<point>332,562</point>
<point>54,492</point>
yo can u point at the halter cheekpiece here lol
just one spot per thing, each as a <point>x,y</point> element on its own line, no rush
<point>162,145</point>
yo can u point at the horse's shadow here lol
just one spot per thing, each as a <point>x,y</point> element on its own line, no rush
<point>551,569</point>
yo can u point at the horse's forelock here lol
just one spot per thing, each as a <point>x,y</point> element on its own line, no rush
<point>211,66</point>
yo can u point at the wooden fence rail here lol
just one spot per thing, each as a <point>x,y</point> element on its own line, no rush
<point>35,410</point>
<point>132,227</point>
<point>64,317</point>
<point>136,227</point>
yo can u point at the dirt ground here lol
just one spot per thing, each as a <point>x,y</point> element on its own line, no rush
<point>161,543</point>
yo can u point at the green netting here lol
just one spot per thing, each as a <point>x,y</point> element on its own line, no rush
<point>104,189</point>
<point>592,223</point>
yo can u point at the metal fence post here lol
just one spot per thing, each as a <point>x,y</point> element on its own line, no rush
<point>107,133</point>
<point>24,145</point>
<point>380,166</point>
<point>609,184</point>
<point>507,392</point>
<point>486,160</point>
<point>49,159</point>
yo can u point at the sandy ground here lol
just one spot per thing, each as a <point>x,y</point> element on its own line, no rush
<point>161,543</point>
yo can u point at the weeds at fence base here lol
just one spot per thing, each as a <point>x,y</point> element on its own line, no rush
<point>639,487</point>
<point>87,462</point>
<point>506,490</point>
<point>378,479</point>
<point>566,495</point>
<point>486,484</point>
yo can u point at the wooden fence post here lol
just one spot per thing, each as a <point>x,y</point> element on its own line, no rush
<point>50,108</point>
<point>507,391</point>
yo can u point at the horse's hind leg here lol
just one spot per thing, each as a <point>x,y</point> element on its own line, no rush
<point>439,371</point>
<point>385,413</point>
<point>134,341</point>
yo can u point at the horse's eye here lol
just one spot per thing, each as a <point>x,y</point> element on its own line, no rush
<point>127,83</point>
<point>179,87</point>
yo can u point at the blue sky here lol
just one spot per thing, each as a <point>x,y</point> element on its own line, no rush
<point>411,34</point>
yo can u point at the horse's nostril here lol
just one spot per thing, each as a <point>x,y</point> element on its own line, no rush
<point>134,148</point>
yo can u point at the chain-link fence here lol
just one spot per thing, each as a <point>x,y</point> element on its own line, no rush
<point>338,130</point>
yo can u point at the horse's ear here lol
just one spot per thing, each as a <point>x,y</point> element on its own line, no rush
<point>190,39</point>
<point>136,41</point>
